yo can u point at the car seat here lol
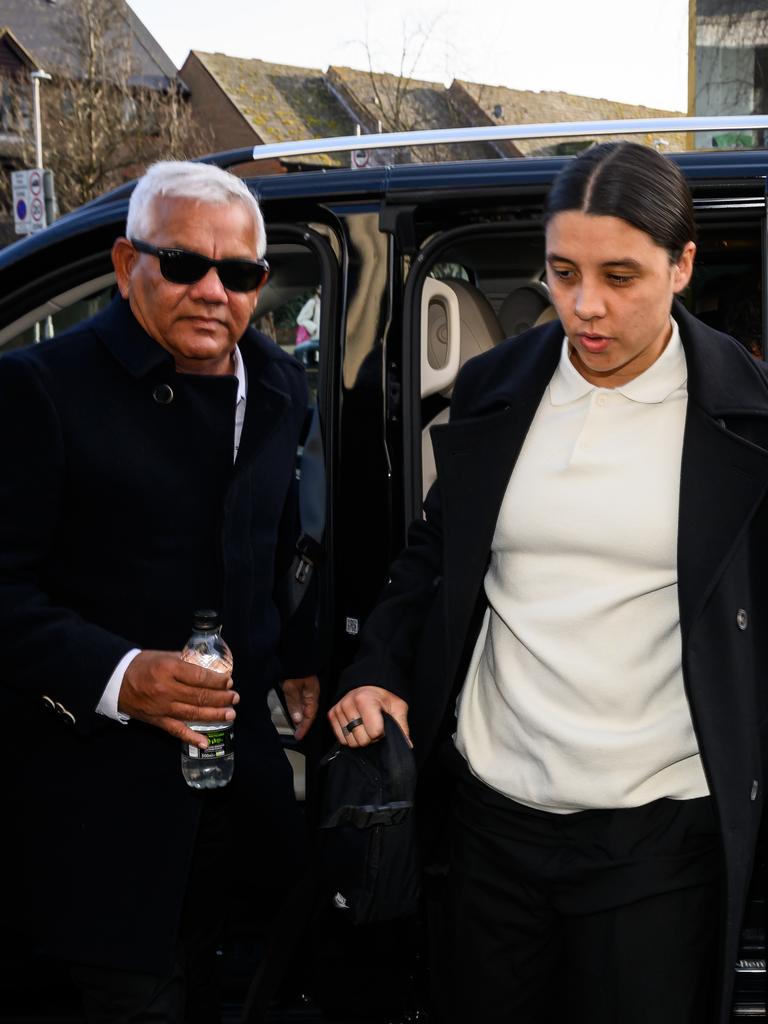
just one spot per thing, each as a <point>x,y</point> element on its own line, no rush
<point>526,306</point>
<point>458,322</point>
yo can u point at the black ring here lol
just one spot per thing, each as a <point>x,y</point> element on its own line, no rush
<point>351,726</point>
<point>163,394</point>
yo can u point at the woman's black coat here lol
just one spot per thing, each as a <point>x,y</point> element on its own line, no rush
<point>418,641</point>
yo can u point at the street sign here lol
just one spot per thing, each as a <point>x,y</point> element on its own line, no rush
<point>28,201</point>
<point>361,158</point>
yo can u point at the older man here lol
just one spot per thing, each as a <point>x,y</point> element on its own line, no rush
<point>148,471</point>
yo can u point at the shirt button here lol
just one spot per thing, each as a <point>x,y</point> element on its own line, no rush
<point>742,619</point>
<point>602,400</point>
<point>163,394</point>
<point>755,790</point>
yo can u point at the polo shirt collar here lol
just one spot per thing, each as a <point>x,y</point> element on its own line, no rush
<point>654,385</point>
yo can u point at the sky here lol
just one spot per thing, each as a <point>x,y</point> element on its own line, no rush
<point>635,53</point>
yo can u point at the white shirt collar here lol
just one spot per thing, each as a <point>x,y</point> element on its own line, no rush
<point>654,385</point>
<point>242,380</point>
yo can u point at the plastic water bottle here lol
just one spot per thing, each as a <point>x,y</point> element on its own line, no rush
<point>212,767</point>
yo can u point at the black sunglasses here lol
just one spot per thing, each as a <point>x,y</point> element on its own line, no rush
<point>183,267</point>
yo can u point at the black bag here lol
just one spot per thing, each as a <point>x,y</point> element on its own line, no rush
<point>369,866</point>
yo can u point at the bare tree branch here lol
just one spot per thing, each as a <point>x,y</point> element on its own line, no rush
<point>101,125</point>
<point>392,94</point>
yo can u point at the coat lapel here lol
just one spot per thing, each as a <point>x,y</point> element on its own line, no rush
<point>475,456</point>
<point>474,462</point>
<point>724,471</point>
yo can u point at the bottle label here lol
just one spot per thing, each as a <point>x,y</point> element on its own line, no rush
<point>220,743</point>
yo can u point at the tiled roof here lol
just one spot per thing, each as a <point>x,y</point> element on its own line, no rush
<point>14,54</point>
<point>282,103</point>
<point>40,25</point>
<point>490,104</point>
<point>399,105</point>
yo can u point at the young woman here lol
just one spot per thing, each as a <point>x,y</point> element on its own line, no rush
<point>589,582</point>
<point>308,320</point>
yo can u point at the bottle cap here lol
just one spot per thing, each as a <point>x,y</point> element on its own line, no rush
<point>205,619</point>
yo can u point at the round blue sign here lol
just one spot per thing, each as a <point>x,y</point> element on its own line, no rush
<point>21,210</point>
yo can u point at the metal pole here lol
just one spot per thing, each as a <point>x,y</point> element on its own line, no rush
<point>692,55</point>
<point>492,133</point>
<point>36,77</point>
<point>38,123</point>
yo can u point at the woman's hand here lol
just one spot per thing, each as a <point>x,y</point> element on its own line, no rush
<point>362,710</point>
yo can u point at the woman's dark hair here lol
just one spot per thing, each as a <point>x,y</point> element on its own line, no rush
<point>632,182</point>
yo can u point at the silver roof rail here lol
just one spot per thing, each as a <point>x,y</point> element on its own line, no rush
<point>507,133</point>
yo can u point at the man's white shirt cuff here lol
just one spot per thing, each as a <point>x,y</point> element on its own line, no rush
<point>108,704</point>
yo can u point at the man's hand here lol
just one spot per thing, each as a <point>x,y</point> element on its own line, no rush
<point>366,703</point>
<point>161,689</point>
<point>302,697</point>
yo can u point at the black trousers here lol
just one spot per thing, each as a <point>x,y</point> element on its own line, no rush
<point>228,853</point>
<point>189,991</point>
<point>601,917</point>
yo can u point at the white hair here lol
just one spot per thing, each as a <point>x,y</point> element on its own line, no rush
<point>182,179</point>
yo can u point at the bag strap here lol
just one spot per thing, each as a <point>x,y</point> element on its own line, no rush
<point>369,815</point>
<point>402,768</point>
<point>402,778</point>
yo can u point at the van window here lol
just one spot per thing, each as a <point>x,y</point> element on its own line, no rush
<point>486,288</point>
<point>726,291</point>
<point>293,284</point>
<point>59,313</point>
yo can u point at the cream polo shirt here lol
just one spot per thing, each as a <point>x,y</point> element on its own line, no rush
<point>574,697</point>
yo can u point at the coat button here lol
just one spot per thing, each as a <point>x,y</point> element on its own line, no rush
<point>163,394</point>
<point>742,619</point>
<point>755,790</point>
<point>48,704</point>
<point>61,710</point>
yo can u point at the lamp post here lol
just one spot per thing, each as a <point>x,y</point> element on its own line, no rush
<point>38,77</point>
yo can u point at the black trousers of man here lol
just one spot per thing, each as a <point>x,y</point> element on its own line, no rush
<point>600,917</point>
<point>223,861</point>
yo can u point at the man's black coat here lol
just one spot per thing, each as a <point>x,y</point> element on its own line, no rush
<point>122,512</point>
<point>418,640</point>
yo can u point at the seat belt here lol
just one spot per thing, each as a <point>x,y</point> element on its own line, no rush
<point>309,546</point>
<point>309,550</point>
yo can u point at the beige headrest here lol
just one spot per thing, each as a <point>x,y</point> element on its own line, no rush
<point>545,317</point>
<point>480,330</point>
<point>523,307</point>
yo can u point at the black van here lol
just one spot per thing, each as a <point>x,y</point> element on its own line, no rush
<point>420,265</point>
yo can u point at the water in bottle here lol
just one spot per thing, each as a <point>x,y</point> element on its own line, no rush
<point>212,767</point>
